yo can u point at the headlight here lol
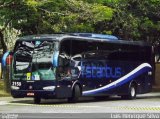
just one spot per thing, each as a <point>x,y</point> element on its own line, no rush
<point>49,88</point>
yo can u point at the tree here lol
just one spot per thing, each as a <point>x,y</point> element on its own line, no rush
<point>52,16</point>
<point>74,16</point>
<point>137,19</point>
<point>10,12</point>
<point>3,24</point>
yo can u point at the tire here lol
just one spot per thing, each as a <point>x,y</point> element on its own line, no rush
<point>37,100</point>
<point>131,94</point>
<point>75,94</point>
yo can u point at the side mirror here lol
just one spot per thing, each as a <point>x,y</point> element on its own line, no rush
<point>7,58</point>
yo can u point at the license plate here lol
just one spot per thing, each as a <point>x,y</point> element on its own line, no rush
<point>30,94</point>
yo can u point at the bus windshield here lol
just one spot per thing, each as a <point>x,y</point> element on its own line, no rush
<point>33,60</point>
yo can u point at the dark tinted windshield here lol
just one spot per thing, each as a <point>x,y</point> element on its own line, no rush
<point>34,57</point>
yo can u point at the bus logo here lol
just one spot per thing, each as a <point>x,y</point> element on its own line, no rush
<point>101,72</point>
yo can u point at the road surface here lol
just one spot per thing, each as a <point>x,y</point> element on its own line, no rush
<point>146,103</point>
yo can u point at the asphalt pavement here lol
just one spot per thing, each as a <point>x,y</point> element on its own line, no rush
<point>86,107</point>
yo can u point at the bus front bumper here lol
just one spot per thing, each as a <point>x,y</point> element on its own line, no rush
<point>36,93</point>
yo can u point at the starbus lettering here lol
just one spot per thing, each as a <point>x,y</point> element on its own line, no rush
<point>101,72</point>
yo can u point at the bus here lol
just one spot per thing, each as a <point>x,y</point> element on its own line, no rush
<point>80,64</point>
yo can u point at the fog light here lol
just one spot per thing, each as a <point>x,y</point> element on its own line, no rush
<point>14,87</point>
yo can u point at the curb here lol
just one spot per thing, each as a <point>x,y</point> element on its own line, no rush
<point>156,89</point>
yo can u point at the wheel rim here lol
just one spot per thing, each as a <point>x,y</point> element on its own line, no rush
<point>133,91</point>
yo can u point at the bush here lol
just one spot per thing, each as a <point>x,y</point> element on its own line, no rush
<point>2,92</point>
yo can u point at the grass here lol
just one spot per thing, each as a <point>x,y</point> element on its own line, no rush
<point>2,92</point>
<point>1,85</point>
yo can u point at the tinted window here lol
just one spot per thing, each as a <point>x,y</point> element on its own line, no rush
<point>35,57</point>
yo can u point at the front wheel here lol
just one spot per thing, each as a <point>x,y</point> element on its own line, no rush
<point>75,94</point>
<point>37,100</point>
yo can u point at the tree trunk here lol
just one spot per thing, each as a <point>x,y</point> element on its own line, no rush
<point>4,46</point>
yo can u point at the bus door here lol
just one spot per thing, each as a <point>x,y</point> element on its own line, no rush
<point>86,75</point>
<point>64,79</point>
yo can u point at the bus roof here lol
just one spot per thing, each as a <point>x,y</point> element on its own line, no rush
<point>81,36</point>
<point>93,35</point>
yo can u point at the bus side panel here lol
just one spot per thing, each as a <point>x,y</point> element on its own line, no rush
<point>64,88</point>
<point>144,83</point>
<point>108,68</point>
<point>108,77</point>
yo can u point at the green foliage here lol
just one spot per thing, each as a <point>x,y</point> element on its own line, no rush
<point>72,16</point>
<point>102,13</point>
<point>33,16</point>
<point>1,85</point>
<point>2,92</point>
<point>137,19</point>
<point>52,16</point>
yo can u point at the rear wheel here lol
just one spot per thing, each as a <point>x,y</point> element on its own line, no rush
<point>75,94</point>
<point>37,100</point>
<point>132,93</point>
